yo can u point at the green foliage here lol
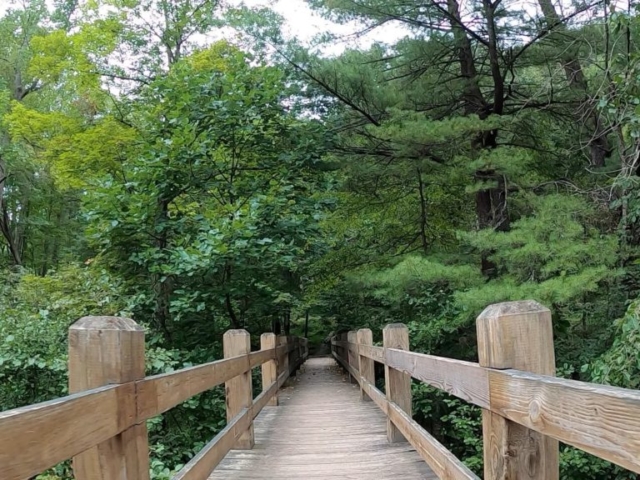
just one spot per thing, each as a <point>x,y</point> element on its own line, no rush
<point>553,255</point>
<point>35,316</point>
<point>577,465</point>
<point>455,423</point>
<point>199,186</point>
<point>620,364</point>
<point>221,201</point>
<point>34,321</point>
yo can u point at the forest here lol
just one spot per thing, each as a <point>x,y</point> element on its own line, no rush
<point>191,165</point>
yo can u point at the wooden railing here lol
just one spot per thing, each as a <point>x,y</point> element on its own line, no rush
<point>525,409</point>
<point>102,425</point>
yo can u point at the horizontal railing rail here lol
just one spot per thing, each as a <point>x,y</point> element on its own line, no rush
<point>104,427</point>
<point>443,462</point>
<point>159,393</point>
<point>517,404</point>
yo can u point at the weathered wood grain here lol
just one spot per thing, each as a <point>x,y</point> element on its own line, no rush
<point>102,426</point>
<point>159,393</point>
<point>516,335</point>
<point>239,390</point>
<point>364,338</point>
<point>598,419</point>
<point>352,355</point>
<point>283,360</point>
<point>397,383</point>
<point>270,368</point>
<point>465,380</point>
<point>37,437</point>
<point>201,466</point>
<point>305,437</point>
<point>260,357</point>
<point>376,395</point>
<point>102,351</point>
<point>444,463</point>
<point>210,456</point>
<point>281,348</point>
<point>346,366</point>
<point>374,353</point>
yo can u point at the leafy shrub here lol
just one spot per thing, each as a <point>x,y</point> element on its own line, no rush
<point>34,320</point>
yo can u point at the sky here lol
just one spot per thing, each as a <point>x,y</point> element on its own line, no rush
<point>301,22</point>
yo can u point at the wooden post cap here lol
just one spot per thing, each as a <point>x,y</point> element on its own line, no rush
<point>393,340</point>
<point>516,335</point>
<point>237,332</point>
<point>106,323</point>
<point>104,351</point>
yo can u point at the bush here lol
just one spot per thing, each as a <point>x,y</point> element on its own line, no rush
<point>34,319</point>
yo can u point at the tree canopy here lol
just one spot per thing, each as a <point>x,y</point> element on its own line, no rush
<point>188,164</point>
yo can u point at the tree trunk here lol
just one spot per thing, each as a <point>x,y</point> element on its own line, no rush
<point>423,215</point>
<point>235,323</point>
<point>491,210</point>
<point>586,113</point>
<point>6,221</point>
<point>491,202</point>
<point>287,322</point>
<point>472,96</point>
<point>306,324</point>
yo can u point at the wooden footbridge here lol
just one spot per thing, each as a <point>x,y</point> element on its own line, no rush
<point>326,422</point>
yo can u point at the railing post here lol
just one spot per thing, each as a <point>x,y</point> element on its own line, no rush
<point>103,351</point>
<point>344,350</point>
<point>352,359</point>
<point>269,368</point>
<point>516,335</point>
<point>238,390</point>
<point>365,367</point>
<point>396,383</point>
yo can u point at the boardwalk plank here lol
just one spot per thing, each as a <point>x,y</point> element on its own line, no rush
<point>322,430</point>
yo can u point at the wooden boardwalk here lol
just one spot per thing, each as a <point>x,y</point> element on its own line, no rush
<point>322,430</point>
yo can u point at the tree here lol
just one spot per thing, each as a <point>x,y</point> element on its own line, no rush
<point>475,64</point>
<point>218,204</point>
<point>18,85</point>
<point>489,155</point>
<point>37,217</point>
<point>152,35</point>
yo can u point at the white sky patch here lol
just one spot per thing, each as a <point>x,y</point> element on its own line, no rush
<point>304,24</point>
